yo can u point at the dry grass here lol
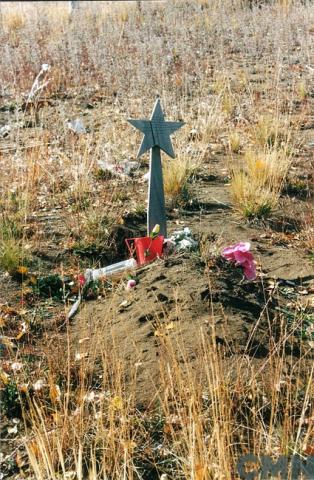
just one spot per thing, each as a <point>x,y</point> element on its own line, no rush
<point>256,184</point>
<point>234,142</point>
<point>198,430</point>
<point>176,174</point>
<point>271,132</point>
<point>221,66</point>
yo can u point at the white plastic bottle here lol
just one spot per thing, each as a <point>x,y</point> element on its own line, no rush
<point>93,275</point>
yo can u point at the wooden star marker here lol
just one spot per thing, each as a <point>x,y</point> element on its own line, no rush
<point>156,137</point>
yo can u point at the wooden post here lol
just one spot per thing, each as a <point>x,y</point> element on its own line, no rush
<point>156,211</point>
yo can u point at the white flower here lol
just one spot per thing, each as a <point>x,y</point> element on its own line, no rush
<point>156,229</point>
<point>17,366</point>
<point>89,397</point>
<point>24,327</point>
<point>37,386</point>
<point>12,430</point>
<point>79,356</point>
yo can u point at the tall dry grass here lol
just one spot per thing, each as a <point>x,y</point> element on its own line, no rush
<point>201,418</point>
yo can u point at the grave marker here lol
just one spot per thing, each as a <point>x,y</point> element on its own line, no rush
<point>157,133</point>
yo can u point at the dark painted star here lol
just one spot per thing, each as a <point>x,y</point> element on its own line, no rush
<point>156,131</point>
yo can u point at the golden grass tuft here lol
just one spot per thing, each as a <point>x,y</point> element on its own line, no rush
<point>234,141</point>
<point>13,21</point>
<point>176,175</point>
<point>256,185</point>
<point>12,254</point>
<point>270,132</point>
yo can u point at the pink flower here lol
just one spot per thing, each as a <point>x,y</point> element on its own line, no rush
<point>240,255</point>
<point>131,284</point>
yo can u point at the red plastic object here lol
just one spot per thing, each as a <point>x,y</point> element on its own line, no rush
<point>146,248</point>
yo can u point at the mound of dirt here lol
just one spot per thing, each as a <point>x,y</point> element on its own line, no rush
<point>180,300</point>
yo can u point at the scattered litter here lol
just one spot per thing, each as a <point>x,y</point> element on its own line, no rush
<point>74,308</point>
<point>24,329</point>
<point>240,255</point>
<point>194,134</point>
<point>311,144</point>
<point>123,169</point>
<point>303,292</point>
<point>129,167</point>
<point>93,275</point>
<point>81,279</point>
<point>182,240</point>
<point>155,231</point>
<point>4,131</point>
<point>6,341</point>
<point>145,177</point>
<point>4,377</point>
<point>76,126</point>
<point>147,249</point>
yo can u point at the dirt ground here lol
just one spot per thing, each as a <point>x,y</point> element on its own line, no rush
<point>183,299</point>
<point>191,295</point>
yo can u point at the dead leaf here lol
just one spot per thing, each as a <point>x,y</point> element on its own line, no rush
<point>33,447</point>
<point>167,429</point>
<point>6,341</point>
<point>200,472</point>
<point>23,387</point>
<point>308,450</point>
<point>32,280</point>
<point>55,393</point>
<point>8,310</point>
<point>19,335</point>
<point>19,460</point>
<point>158,333</point>
<point>4,377</point>
<point>129,445</point>
<point>22,270</point>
